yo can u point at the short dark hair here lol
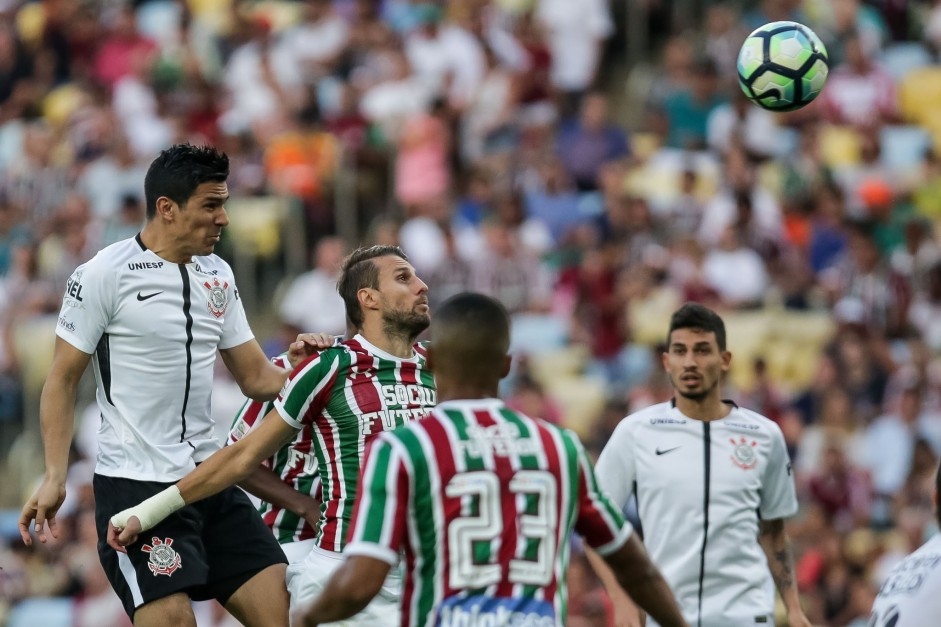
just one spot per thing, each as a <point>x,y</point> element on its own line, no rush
<point>472,331</point>
<point>696,316</point>
<point>359,271</point>
<point>179,170</point>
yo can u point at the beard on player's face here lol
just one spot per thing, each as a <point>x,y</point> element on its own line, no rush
<point>409,323</point>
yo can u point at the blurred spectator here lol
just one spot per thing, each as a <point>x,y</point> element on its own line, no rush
<point>890,444</point>
<point>576,32</point>
<point>740,121</point>
<point>311,301</point>
<point>834,423</point>
<point>508,271</point>
<point>123,47</point>
<point>445,57</point>
<point>858,91</point>
<point>422,170</point>
<point>735,271</point>
<point>687,111</point>
<point>110,178</point>
<point>925,312</point>
<point>310,49</point>
<point>864,280</point>
<point>842,491</point>
<point>585,144</point>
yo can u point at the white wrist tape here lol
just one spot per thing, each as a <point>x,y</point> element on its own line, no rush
<point>151,511</point>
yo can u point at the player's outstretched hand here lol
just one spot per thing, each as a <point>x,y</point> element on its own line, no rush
<point>42,508</point>
<point>120,538</point>
<point>307,344</point>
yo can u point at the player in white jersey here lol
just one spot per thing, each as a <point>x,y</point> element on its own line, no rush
<point>911,594</point>
<point>153,311</point>
<point>348,394</point>
<point>481,500</point>
<point>713,486</point>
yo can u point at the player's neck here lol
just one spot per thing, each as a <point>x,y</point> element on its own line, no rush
<point>705,410</point>
<point>162,244</point>
<point>401,346</point>
<point>464,391</point>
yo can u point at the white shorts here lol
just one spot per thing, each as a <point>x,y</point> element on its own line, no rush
<point>296,552</point>
<point>306,579</point>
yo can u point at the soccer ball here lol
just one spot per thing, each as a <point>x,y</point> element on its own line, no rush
<point>782,66</point>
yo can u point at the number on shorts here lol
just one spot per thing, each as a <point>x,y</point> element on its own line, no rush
<point>487,525</point>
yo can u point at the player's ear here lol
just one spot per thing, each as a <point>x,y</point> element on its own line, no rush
<point>164,208</point>
<point>507,362</point>
<point>367,298</point>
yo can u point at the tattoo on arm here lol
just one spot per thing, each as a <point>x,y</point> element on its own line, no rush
<point>778,550</point>
<point>783,568</point>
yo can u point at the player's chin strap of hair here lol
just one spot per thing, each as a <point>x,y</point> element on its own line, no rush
<point>151,511</point>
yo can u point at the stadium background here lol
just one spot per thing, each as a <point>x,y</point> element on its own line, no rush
<point>592,164</point>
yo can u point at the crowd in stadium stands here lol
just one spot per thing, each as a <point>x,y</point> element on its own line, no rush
<point>498,142</point>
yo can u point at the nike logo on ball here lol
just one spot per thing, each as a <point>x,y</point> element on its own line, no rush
<point>139,297</point>
<point>665,451</point>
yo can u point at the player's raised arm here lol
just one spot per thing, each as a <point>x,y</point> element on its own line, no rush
<point>224,468</point>
<point>257,377</point>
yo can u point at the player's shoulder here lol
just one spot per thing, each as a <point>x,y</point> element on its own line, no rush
<point>113,257</point>
<point>744,419</point>
<point>661,414</point>
<point>213,265</point>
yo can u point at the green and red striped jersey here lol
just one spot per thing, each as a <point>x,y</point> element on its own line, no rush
<point>295,463</point>
<point>348,395</point>
<point>481,500</point>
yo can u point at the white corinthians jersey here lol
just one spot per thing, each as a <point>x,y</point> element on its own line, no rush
<point>153,328</point>
<point>702,488</point>
<point>911,594</point>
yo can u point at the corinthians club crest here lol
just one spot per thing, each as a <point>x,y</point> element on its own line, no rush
<point>218,298</point>
<point>743,455</point>
<point>163,559</point>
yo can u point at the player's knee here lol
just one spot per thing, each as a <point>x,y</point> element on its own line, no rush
<point>172,610</point>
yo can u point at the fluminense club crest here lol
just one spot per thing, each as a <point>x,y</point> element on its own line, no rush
<point>163,559</point>
<point>743,453</point>
<point>218,297</point>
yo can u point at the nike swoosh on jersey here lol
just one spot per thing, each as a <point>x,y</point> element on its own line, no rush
<point>666,450</point>
<point>139,297</point>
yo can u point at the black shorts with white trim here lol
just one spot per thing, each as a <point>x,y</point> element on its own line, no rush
<point>207,549</point>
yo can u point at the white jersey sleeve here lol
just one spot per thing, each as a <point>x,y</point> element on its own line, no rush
<point>615,469</point>
<point>778,494</point>
<point>911,594</point>
<point>235,329</point>
<point>87,306</point>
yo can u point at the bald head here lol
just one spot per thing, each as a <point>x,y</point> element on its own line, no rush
<point>470,337</point>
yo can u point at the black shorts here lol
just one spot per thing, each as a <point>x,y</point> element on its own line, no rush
<point>207,549</point>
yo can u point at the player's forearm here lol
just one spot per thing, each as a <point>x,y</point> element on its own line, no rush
<point>641,579</point>
<point>224,468</point>
<point>269,487</point>
<point>56,418</point>
<point>266,384</point>
<point>777,547</point>
<point>609,580</point>
<point>652,593</point>
<point>341,598</point>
